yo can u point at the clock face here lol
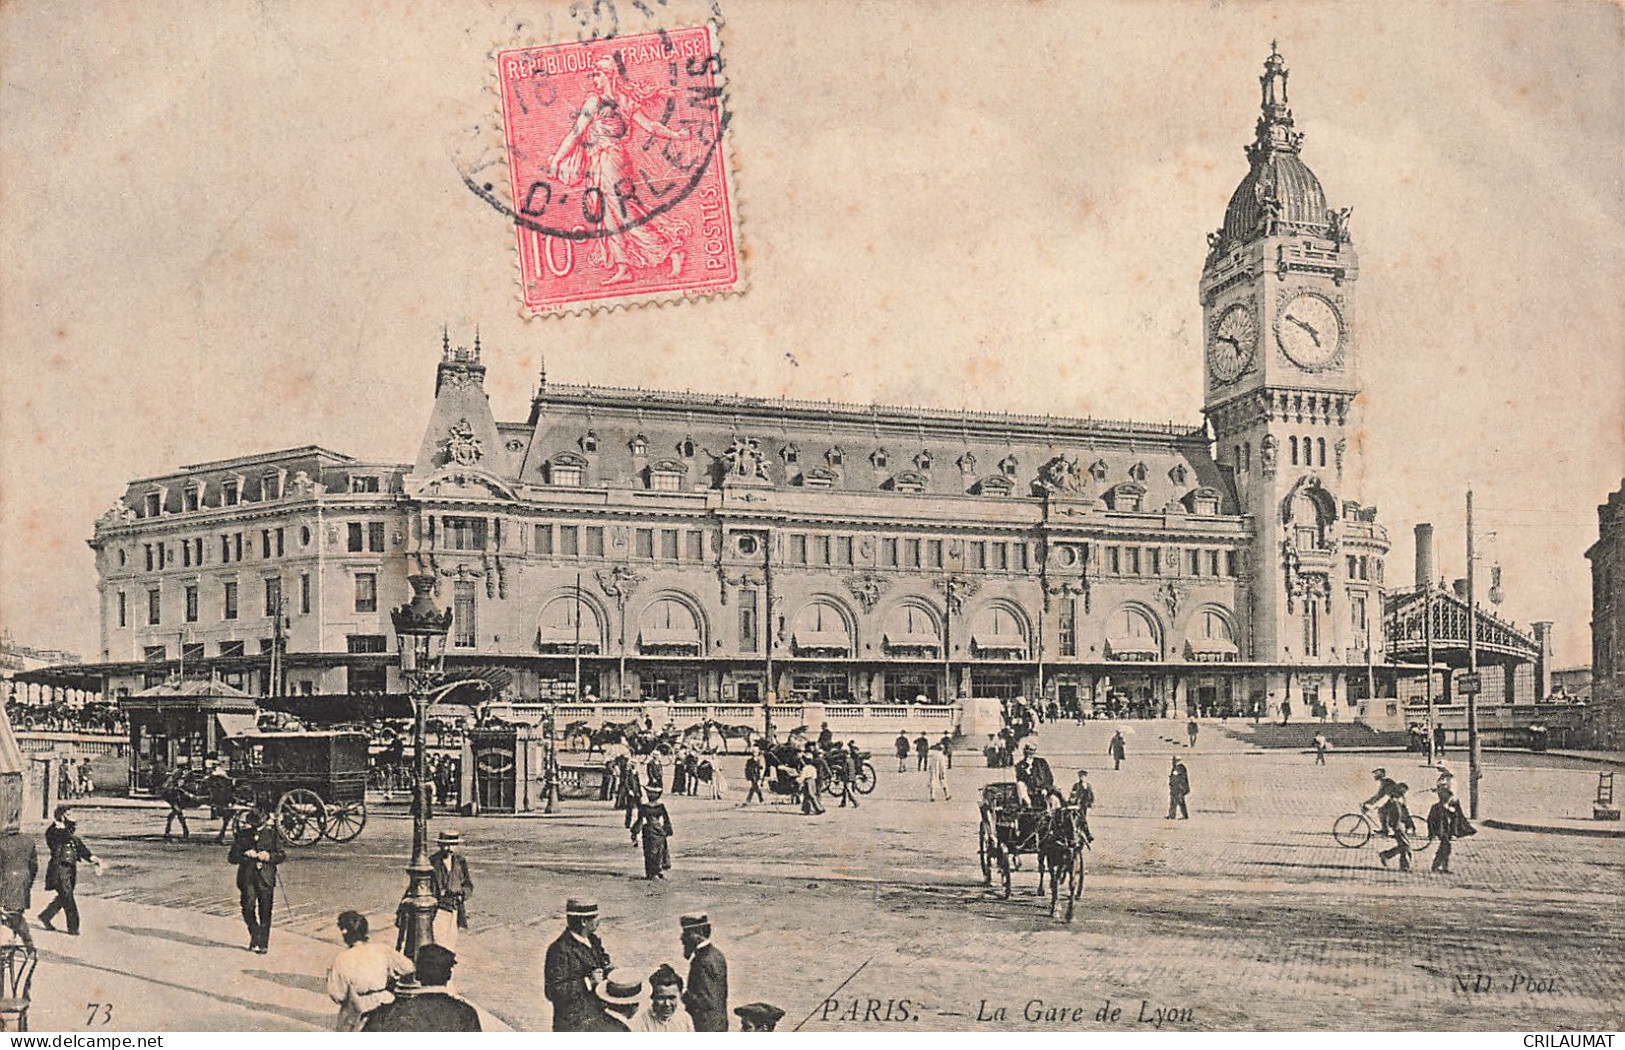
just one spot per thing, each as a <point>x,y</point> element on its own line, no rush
<point>1309,331</point>
<point>1231,348</point>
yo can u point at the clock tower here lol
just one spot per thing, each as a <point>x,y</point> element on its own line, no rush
<point>1281,350</point>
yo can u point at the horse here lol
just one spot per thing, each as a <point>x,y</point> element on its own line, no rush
<point>705,733</point>
<point>1062,838</point>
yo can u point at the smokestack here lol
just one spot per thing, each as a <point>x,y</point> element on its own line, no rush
<point>1424,555</point>
<point>1543,662</point>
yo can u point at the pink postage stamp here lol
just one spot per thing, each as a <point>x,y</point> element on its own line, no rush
<point>618,166</point>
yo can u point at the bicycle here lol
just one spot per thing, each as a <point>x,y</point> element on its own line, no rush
<point>1353,830</point>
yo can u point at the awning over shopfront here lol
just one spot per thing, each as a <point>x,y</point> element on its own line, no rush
<point>1132,649</point>
<point>1210,650</point>
<point>668,638</point>
<point>822,641</point>
<point>233,724</point>
<point>999,643</point>
<point>912,640</point>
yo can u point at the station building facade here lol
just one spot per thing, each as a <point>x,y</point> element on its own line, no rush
<point>642,544</point>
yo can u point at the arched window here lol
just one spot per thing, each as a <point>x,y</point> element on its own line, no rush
<point>669,626</point>
<point>685,448</point>
<point>997,631</point>
<point>1292,443</point>
<point>1214,626</point>
<point>1246,456</point>
<point>1132,635</point>
<point>566,623</point>
<point>821,630</point>
<point>912,629</point>
<point>1308,451</point>
<point>589,443</point>
<point>1320,448</point>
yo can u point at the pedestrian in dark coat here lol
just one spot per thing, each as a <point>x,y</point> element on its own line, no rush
<point>654,825</point>
<point>848,766</point>
<point>707,996</point>
<point>62,873</point>
<point>173,791</point>
<point>922,747</point>
<point>1399,818</point>
<point>948,748</point>
<point>451,885</point>
<point>429,1007</point>
<point>1446,823</point>
<point>902,751</point>
<point>1179,785</point>
<point>691,773</point>
<point>679,774</point>
<point>256,849</point>
<point>19,867</point>
<point>1117,749</point>
<point>754,771</point>
<point>575,966</point>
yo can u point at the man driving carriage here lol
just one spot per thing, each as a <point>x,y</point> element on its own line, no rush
<point>1035,782</point>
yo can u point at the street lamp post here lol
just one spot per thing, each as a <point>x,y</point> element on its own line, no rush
<point>420,630</point>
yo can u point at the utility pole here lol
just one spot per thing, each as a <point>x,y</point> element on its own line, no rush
<point>1473,753</point>
<point>1427,629</point>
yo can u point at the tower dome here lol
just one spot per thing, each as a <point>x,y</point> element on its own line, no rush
<point>1279,193</point>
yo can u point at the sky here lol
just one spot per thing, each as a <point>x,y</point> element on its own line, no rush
<point>231,227</point>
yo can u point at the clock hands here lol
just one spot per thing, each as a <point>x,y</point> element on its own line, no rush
<point>1307,327</point>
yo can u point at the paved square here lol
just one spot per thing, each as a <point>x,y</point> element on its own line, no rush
<point>1249,915</point>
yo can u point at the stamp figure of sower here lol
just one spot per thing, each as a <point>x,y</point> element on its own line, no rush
<point>598,152</point>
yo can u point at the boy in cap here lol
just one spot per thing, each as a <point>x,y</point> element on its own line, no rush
<point>758,1017</point>
<point>431,1006</point>
<point>575,966</point>
<point>1399,814</point>
<point>451,885</point>
<point>707,996</point>
<point>359,977</point>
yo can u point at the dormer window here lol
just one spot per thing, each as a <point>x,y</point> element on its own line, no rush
<point>835,456</point>
<point>880,458</point>
<point>995,485</point>
<point>566,470</point>
<point>790,453</point>
<point>1129,496</point>
<point>818,478</point>
<point>639,445</point>
<point>271,486</point>
<point>923,460</point>
<point>589,443</point>
<point>908,481</point>
<point>231,493</point>
<point>1204,501</point>
<point>153,505</point>
<point>363,483</point>
<point>685,448</point>
<point>1139,472</point>
<point>1009,465</point>
<point>190,497</point>
<point>667,476</point>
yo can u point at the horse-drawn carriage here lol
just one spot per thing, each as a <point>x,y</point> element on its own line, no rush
<point>1011,828</point>
<point>313,784</point>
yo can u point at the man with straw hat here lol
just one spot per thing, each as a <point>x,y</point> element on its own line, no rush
<point>575,966</point>
<point>450,883</point>
<point>619,998</point>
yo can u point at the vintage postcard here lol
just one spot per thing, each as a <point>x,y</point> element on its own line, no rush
<point>833,517</point>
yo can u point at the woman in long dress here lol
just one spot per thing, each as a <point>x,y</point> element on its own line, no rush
<point>598,152</point>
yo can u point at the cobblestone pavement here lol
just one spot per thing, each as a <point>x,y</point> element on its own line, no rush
<point>1249,915</point>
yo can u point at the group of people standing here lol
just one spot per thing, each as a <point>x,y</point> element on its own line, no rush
<point>590,994</point>
<point>1445,820</point>
<point>934,760</point>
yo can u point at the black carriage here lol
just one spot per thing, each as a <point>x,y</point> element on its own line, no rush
<point>313,784</point>
<point>864,781</point>
<point>1008,831</point>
